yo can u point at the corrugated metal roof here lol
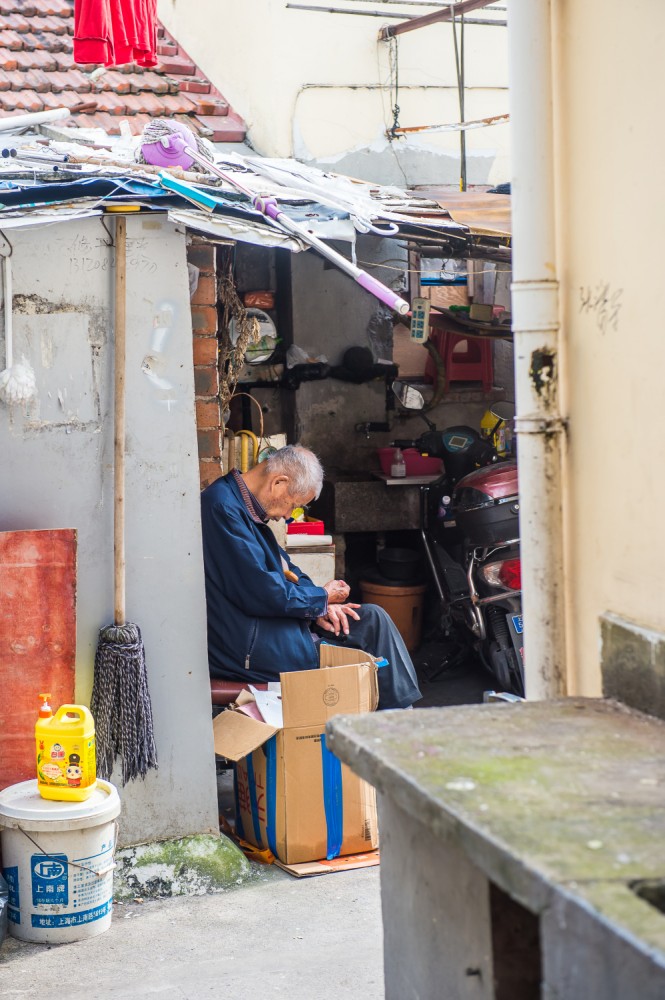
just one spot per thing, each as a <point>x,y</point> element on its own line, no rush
<point>307,195</point>
<point>431,221</point>
<point>485,214</point>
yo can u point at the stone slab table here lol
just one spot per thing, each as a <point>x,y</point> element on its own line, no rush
<point>522,848</point>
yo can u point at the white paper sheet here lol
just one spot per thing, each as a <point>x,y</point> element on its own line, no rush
<point>269,704</point>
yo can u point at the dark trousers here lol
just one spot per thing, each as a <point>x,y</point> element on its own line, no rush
<point>377,634</point>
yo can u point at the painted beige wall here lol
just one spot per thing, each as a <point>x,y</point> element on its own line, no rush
<point>290,73</point>
<point>611,217</point>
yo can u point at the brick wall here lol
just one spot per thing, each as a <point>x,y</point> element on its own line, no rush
<point>206,375</point>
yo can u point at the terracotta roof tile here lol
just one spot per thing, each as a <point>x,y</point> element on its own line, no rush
<point>195,85</point>
<point>177,104</point>
<point>176,65</point>
<point>100,120</point>
<point>65,61</point>
<point>48,40</point>
<point>16,22</point>
<point>149,81</point>
<point>31,40</point>
<point>22,100</point>
<point>146,103</point>
<point>56,8</point>
<point>210,106</point>
<point>11,40</point>
<point>37,8</point>
<point>28,9</point>
<point>227,128</point>
<point>36,79</point>
<point>56,25</point>
<point>71,80</point>
<point>114,104</point>
<point>35,60</point>
<point>167,48</point>
<point>37,70</point>
<point>117,83</point>
<point>111,124</point>
<point>65,99</point>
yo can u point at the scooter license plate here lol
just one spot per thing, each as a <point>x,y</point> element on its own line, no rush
<point>516,629</point>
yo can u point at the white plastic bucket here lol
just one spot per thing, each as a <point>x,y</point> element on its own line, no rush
<point>57,858</point>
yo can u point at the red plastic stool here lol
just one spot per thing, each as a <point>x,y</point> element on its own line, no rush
<point>465,359</point>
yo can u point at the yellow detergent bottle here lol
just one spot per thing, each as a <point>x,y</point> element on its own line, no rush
<point>66,762</point>
<point>491,423</point>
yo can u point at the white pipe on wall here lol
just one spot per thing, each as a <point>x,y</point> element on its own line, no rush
<point>535,307</point>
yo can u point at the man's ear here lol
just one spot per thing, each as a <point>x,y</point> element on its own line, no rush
<point>281,481</point>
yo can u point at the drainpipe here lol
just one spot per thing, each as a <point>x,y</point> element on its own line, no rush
<point>535,307</point>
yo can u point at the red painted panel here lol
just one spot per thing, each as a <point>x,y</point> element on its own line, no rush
<point>37,638</point>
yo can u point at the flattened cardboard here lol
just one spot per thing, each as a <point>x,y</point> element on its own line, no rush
<point>348,862</point>
<point>235,735</point>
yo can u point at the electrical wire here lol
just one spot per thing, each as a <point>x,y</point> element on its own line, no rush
<point>393,56</point>
<point>459,66</point>
<point>409,270</point>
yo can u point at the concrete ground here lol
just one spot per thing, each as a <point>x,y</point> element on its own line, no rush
<point>274,936</point>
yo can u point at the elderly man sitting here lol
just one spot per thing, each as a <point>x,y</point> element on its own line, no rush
<point>261,622</point>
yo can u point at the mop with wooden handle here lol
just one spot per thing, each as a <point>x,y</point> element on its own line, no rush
<point>120,700</point>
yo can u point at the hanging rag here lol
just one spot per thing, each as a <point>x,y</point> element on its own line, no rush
<point>115,32</point>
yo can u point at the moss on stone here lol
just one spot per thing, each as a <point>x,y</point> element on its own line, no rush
<point>190,866</point>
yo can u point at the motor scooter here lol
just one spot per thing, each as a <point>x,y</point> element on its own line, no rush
<point>469,525</point>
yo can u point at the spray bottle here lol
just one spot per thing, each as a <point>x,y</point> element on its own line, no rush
<point>66,763</point>
<point>398,465</point>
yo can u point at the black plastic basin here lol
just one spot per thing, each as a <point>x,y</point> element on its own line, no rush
<point>399,564</point>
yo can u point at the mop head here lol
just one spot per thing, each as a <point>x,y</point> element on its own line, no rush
<point>162,142</point>
<point>120,704</point>
<point>17,384</point>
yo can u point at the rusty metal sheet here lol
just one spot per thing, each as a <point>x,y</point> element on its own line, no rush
<point>484,214</point>
<point>37,638</point>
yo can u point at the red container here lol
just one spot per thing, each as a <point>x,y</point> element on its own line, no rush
<point>310,526</point>
<point>416,464</point>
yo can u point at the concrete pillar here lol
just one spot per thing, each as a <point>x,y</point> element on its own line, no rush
<point>436,915</point>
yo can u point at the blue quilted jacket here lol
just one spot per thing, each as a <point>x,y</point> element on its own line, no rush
<point>258,622</point>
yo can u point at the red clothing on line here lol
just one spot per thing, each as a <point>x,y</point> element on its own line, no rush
<point>115,32</point>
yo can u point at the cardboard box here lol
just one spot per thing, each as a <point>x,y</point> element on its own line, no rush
<point>292,794</point>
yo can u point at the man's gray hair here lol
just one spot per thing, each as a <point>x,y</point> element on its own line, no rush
<point>302,467</point>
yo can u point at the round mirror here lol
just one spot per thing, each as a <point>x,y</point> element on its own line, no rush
<point>409,397</point>
<point>261,351</point>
